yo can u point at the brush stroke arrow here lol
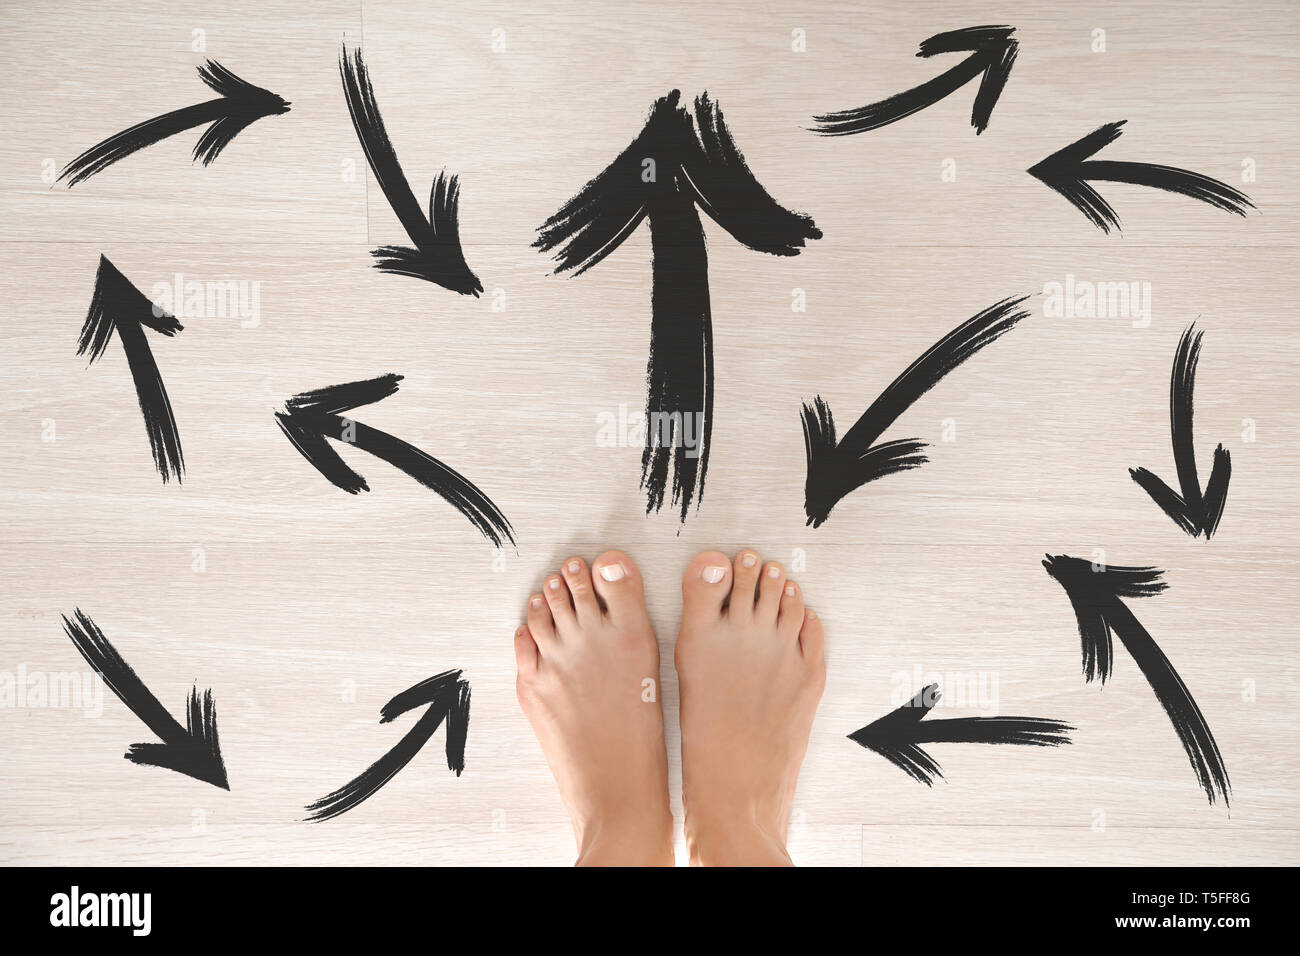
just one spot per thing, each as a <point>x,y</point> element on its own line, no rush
<point>311,417</point>
<point>1096,597</point>
<point>437,256</point>
<point>661,177</point>
<point>118,306</point>
<point>240,105</point>
<point>992,53</point>
<point>447,697</point>
<point>194,749</point>
<point>897,736</point>
<point>1193,512</point>
<point>836,469</point>
<point>1068,171</point>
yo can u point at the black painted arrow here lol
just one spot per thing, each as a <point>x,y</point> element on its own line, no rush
<point>240,105</point>
<point>835,469</point>
<point>447,697</point>
<point>437,256</point>
<point>311,417</point>
<point>118,306</point>
<point>1193,512</point>
<point>1068,171</point>
<point>992,53</point>
<point>661,177</point>
<point>1096,597</point>
<point>194,749</point>
<point>898,734</point>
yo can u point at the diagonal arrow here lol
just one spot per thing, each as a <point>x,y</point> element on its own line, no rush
<point>836,469</point>
<point>194,749</point>
<point>447,697</point>
<point>898,734</point>
<point>437,256</point>
<point>993,53</point>
<point>1095,595</point>
<point>1068,171</point>
<point>661,177</point>
<point>311,417</point>
<point>118,306</point>
<point>240,105</point>
<point>1193,512</point>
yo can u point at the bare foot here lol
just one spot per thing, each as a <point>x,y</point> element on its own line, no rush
<point>751,671</point>
<point>589,685</point>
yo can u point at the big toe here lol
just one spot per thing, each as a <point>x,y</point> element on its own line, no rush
<point>706,585</point>
<point>618,582</point>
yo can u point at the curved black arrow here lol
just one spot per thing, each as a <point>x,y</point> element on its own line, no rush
<point>1096,596</point>
<point>896,736</point>
<point>118,306</point>
<point>240,105</point>
<point>1067,171</point>
<point>835,469</point>
<point>448,698</point>
<point>437,256</point>
<point>661,177</point>
<point>1195,513</point>
<point>194,749</point>
<point>311,417</point>
<point>993,53</point>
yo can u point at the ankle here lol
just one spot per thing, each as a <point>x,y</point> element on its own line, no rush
<point>643,838</point>
<point>742,838</point>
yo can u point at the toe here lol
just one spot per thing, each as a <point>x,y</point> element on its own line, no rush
<point>540,623</point>
<point>618,582</point>
<point>706,585</point>
<point>810,638</point>
<point>746,568</point>
<point>560,603</point>
<point>771,585</point>
<point>790,617</point>
<point>525,653</point>
<point>577,578</point>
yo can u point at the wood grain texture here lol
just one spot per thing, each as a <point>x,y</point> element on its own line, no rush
<point>313,607</point>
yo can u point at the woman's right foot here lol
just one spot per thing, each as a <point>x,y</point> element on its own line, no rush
<point>751,671</point>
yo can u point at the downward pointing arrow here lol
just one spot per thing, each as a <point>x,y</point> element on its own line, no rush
<point>993,54</point>
<point>1095,596</point>
<point>835,469</point>
<point>896,735</point>
<point>240,105</point>
<point>193,749</point>
<point>1193,512</point>
<point>1067,171</point>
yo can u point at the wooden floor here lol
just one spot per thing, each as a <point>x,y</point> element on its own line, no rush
<point>305,609</point>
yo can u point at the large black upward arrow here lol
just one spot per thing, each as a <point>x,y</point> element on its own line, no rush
<point>1195,513</point>
<point>194,749</point>
<point>1068,170</point>
<point>240,105</point>
<point>992,53</point>
<point>311,417</point>
<point>447,697</point>
<point>118,306</point>
<point>1095,595</point>
<point>898,734</point>
<point>661,176</point>
<point>837,468</point>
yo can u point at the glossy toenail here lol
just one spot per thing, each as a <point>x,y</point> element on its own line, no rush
<point>553,584</point>
<point>612,572</point>
<point>774,572</point>
<point>749,560</point>
<point>574,567</point>
<point>518,631</point>
<point>789,590</point>
<point>536,602</point>
<point>713,574</point>
<point>811,615</point>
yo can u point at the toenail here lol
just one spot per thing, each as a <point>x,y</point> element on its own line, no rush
<point>774,572</point>
<point>811,615</point>
<point>553,584</point>
<point>518,631</point>
<point>575,567</point>
<point>713,574</point>
<point>749,560</point>
<point>612,572</point>
<point>789,590</point>
<point>536,602</point>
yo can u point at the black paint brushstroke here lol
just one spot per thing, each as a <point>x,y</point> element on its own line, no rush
<point>1100,612</point>
<point>1195,513</point>
<point>118,306</point>
<point>898,734</point>
<point>239,105</point>
<point>705,170</point>
<point>1068,170</point>
<point>447,697</point>
<point>837,468</point>
<point>312,417</point>
<point>194,749</point>
<point>437,256</point>
<point>993,53</point>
